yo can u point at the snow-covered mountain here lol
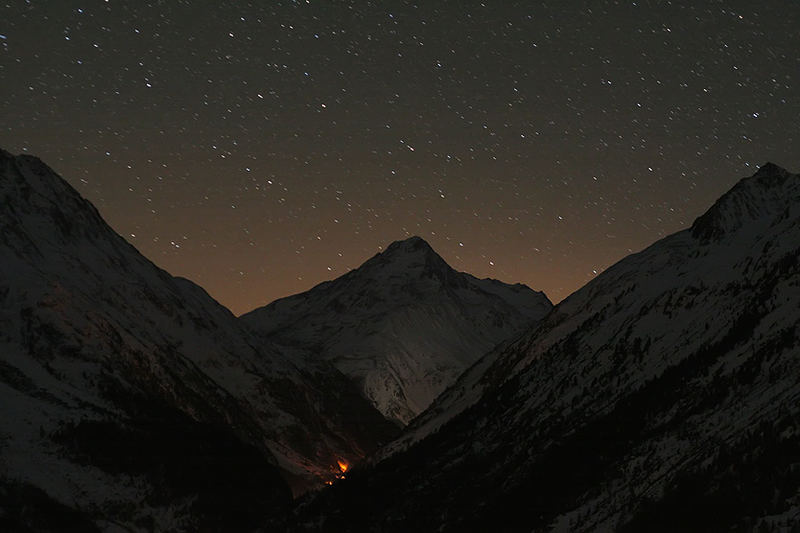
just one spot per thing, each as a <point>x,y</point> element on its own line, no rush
<point>403,326</point>
<point>132,398</point>
<point>662,396</point>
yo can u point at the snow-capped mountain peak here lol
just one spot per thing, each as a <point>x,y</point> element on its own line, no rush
<point>771,169</point>
<point>48,201</point>
<point>409,258</point>
<point>413,244</point>
<point>403,325</point>
<point>752,201</point>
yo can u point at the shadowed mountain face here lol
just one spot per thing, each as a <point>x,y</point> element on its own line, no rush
<point>403,326</point>
<point>131,396</point>
<point>662,396</point>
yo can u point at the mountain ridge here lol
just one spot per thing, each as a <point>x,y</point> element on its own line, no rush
<point>659,395</point>
<point>749,200</point>
<point>638,261</point>
<point>402,326</point>
<point>98,344</point>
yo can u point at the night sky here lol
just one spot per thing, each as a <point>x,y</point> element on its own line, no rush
<point>259,148</point>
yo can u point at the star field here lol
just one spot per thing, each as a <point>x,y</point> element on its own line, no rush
<point>259,148</point>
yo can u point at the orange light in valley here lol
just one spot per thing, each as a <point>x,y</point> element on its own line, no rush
<point>344,466</point>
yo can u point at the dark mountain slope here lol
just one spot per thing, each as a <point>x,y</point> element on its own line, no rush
<point>132,396</point>
<point>662,396</point>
